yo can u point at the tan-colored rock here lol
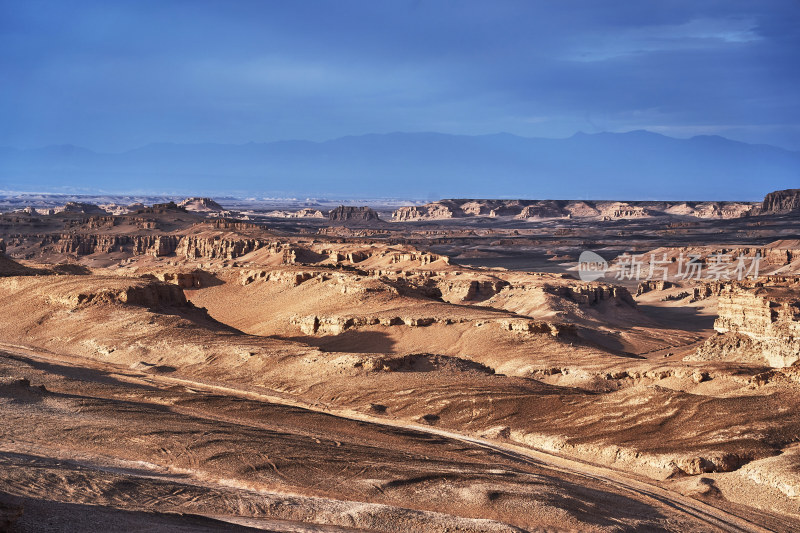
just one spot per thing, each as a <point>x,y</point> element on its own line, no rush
<point>543,209</point>
<point>653,285</point>
<point>201,205</point>
<point>184,280</point>
<point>756,322</point>
<point>433,211</point>
<point>216,247</point>
<point>136,292</point>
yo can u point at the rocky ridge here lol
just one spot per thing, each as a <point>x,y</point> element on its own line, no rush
<point>757,321</point>
<point>338,324</point>
<point>545,209</point>
<point>189,247</point>
<point>201,204</point>
<point>306,212</point>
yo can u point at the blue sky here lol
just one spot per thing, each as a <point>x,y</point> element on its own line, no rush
<point>116,75</point>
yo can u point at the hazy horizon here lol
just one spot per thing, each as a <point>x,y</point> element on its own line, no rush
<point>633,165</point>
<point>398,132</point>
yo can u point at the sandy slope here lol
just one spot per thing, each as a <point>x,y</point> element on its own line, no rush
<point>215,452</point>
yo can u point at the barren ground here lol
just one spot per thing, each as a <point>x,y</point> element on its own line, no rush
<point>160,371</point>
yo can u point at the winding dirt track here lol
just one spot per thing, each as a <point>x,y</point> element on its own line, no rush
<point>616,481</point>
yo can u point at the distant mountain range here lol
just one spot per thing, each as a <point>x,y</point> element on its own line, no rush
<point>637,165</point>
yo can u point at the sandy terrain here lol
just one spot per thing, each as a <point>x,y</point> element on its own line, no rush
<point>160,371</point>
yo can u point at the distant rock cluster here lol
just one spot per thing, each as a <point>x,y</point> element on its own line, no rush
<point>548,209</point>
<point>194,204</point>
<point>778,202</point>
<point>306,212</point>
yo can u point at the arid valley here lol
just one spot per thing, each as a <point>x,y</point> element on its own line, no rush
<point>408,266</point>
<point>193,366</point>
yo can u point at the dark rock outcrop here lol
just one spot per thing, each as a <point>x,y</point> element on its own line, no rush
<point>9,267</point>
<point>348,213</point>
<point>785,201</point>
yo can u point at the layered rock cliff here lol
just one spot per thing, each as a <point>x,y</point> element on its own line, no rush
<point>347,213</point>
<point>756,322</point>
<point>189,247</point>
<point>781,201</point>
<point>336,325</point>
<point>216,248</point>
<point>85,244</point>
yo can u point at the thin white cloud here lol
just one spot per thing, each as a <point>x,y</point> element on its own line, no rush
<point>696,34</point>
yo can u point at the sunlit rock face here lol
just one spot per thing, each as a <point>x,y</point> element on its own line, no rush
<point>547,209</point>
<point>756,323</point>
<point>201,205</point>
